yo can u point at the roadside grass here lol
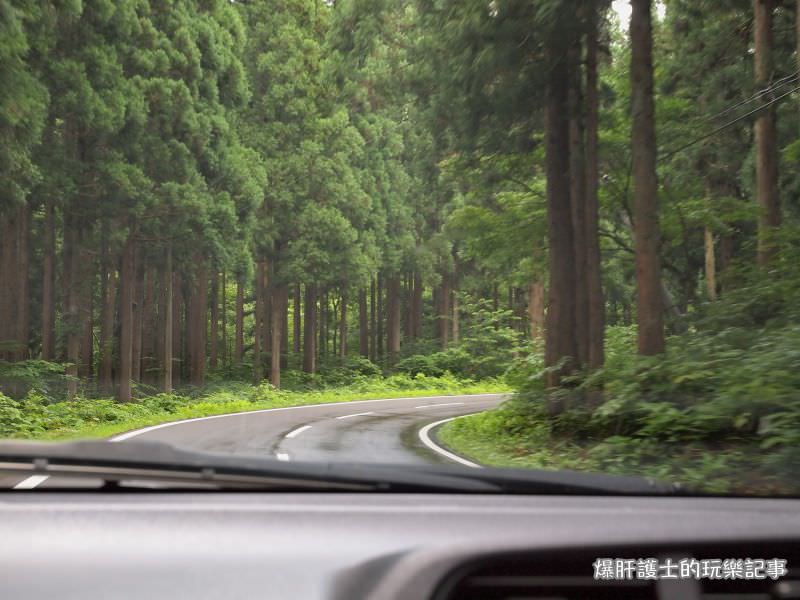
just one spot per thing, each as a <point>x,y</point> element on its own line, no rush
<point>33,417</point>
<point>497,438</point>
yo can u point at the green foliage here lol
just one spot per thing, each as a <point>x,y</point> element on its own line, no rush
<point>20,378</point>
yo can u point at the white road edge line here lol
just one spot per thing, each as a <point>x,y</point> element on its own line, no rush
<point>283,456</point>
<point>424,436</point>
<point>297,431</point>
<point>33,481</point>
<point>446,404</point>
<point>364,414</point>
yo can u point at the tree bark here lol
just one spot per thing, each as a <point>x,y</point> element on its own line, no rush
<point>280,295</point>
<point>48,284</point>
<point>178,346</point>
<point>560,346</point>
<point>766,135</point>
<point>577,170</point>
<point>456,320</point>
<point>536,309</point>
<point>373,331</point>
<point>596,301</point>
<point>297,319</point>
<point>23,284</point>
<point>109,298</point>
<point>649,311</point>
<point>710,265</point>
<point>149,352</point>
<point>416,307</point>
<point>393,318</point>
<point>363,324</point>
<point>379,317</point>
<point>238,352</point>
<point>258,318</point>
<point>72,325</point>
<point>444,311</point>
<point>127,285</point>
<point>138,301</point>
<point>8,275</point>
<point>196,324</point>
<point>168,323</point>
<point>310,329</point>
<point>214,341</point>
<point>343,327</point>
<point>86,367</point>
<point>224,311</point>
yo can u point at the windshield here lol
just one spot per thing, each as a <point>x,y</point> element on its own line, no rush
<point>540,234</point>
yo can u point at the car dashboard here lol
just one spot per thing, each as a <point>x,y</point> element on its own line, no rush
<point>345,546</point>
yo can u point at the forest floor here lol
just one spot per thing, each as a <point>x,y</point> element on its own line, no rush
<point>36,418</point>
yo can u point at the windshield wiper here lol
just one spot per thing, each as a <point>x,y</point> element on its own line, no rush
<point>140,463</point>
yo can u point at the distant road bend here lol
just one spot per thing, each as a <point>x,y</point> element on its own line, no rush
<point>377,431</point>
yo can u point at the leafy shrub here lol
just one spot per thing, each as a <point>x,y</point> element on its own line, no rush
<point>17,379</point>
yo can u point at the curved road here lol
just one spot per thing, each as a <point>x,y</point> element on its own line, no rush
<point>381,431</point>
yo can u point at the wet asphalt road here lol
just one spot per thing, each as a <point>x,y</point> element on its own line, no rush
<point>377,431</point>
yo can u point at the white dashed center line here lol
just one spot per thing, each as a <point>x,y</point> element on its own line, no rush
<point>31,482</point>
<point>283,456</point>
<point>433,405</point>
<point>297,431</point>
<point>364,414</point>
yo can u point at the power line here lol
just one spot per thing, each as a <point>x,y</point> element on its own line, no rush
<point>672,153</point>
<point>772,87</point>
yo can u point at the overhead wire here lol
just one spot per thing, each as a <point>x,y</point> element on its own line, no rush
<point>721,128</point>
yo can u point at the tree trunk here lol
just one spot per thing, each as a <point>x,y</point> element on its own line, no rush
<point>416,307</point>
<point>456,321</point>
<point>138,301</point>
<point>224,311</point>
<point>86,367</point>
<point>310,329</point>
<point>280,294</point>
<point>238,352</point>
<point>214,341</point>
<point>196,324</point>
<point>560,329</point>
<point>258,318</point>
<point>72,325</point>
<point>149,352</point>
<point>373,331</point>
<point>766,135</point>
<point>109,299</point>
<point>536,309</point>
<point>393,318</point>
<point>577,169</point>
<point>379,317</point>
<point>8,276</point>
<point>23,284</point>
<point>127,284</point>
<point>649,308</point>
<point>178,346</point>
<point>444,311</point>
<point>594,286</point>
<point>48,284</point>
<point>363,324</point>
<point>343,327</point>
<point>711,266</point>
<point>297,324</point>
<point>168,323</point>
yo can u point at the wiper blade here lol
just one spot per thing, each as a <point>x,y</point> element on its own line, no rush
<point>159,462</point>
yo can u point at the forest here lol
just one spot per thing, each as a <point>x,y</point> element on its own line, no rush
<point>207,197</point>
